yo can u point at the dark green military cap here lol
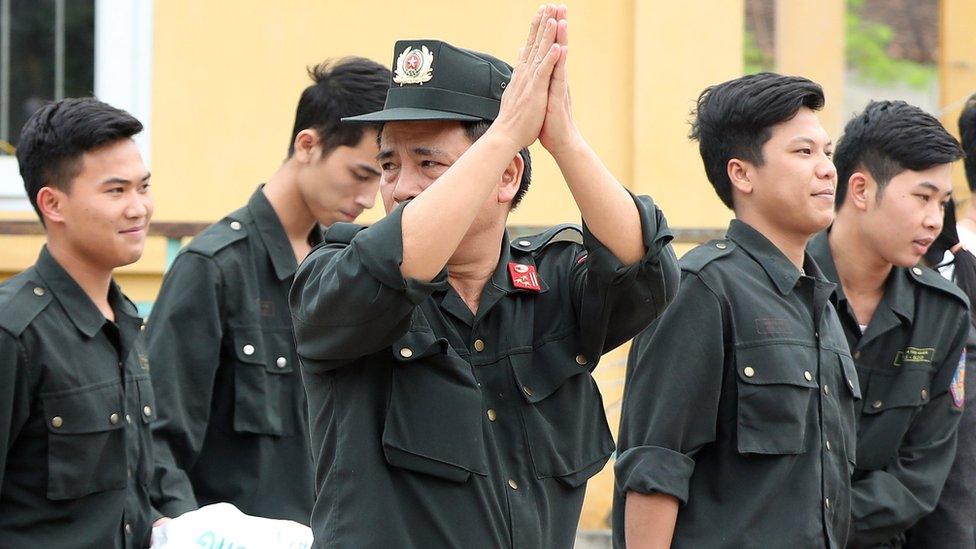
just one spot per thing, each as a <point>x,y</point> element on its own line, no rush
<point>433,80</point>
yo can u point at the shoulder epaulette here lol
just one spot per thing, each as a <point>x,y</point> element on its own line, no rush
<point>342,233</point>
<point>218,236</point>
<point>695,260</point>
<point>566,232</point>
<point>932,279</point>
<point>20,303</point>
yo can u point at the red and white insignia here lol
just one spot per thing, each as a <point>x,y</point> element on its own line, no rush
<point>414,66</point>
<point>958,385</point>
<point>524,277</point>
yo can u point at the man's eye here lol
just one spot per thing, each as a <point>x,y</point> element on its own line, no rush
<point>428,164</point>
<point>144,187</point>
<point>387,166</point>
<point>830,154</point>
<point>923,197</point>
<point>115,190</point>
<point>804,151</point>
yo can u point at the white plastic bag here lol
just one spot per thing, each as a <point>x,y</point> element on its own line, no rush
<point>224,526</point>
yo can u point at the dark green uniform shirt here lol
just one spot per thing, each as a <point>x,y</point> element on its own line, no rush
<point>739,402</point>
<point>76,402</point>
<point>906,360</point>
<point>436,427</point>
<point>235,424</point>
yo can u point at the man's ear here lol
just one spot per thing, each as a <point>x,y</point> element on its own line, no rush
<point>511,179</point>
<point>739,173</point>
<point>307,145</point>
<point>51,202</point>
<point>861,190</point>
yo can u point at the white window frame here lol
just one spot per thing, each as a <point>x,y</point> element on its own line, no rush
<point>123,78</point>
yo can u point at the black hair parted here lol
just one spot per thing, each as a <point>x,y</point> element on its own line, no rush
<point>887,138</point>
<point>474,130</point>
<point>56,136</point>
<point>350,86</point>
<point>967,134</point>
<point>733,120</point>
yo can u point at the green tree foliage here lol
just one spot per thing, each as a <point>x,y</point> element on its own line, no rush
<point>867,53</point>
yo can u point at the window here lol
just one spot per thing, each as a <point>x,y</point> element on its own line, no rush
<point>51,49</point>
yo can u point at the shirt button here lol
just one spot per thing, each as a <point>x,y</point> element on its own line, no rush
<point>850,384</point>
<point>925,394</point>
<point>38,291</point>
<point>248,349</point>
<point>492,416</point>
<point>857,355</point>
<point>236,225</point>
<point>748,371</point>
<point>57,422</point>
<point>581,360</point>
<point>479,345</point>
<point>721,245</point>
<point>524,243</point>
<point>147,410</point>
<point>128,529</point>
<point>826,390</point>
<point>128,418</point>
<point>827,503</point>
<point>917,271</point>
<point>128,472</point>
<point>527,390</point>
<point>512,484</point>
<point>827,445</point>
<point>281,362</point>
<point>877,404</point>
<point>113,419</point>
<point>808,376</point>
<point>406,352</point>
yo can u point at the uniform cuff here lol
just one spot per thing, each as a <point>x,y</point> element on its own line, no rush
<point>655,235</point>
<point>380,248</point>
<point>650,469</point>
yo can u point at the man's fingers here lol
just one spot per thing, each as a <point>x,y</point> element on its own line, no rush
<point>530,39</point>
<point>562,32</point>
<point>548,38</point>
<point>543,73</point>
<point>540,32</point>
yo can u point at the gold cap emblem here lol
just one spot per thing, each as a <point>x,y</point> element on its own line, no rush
<point>414,66</point>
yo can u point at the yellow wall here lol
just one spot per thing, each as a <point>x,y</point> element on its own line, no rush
<point>957,52</point>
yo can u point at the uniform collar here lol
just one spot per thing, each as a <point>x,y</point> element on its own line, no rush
<point>502,279</point>
<point>273,235</point>
<point>899,294</point>
<point>82,311</point>
<point>779,269</point>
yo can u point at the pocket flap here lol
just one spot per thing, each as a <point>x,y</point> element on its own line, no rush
<point>90,409</point>
<point>777,365</point>
<point>910,388</point>
<point>417,344</point>
<point>541,372</point>
<point>850,375</point>
<point>249,345</point>
<point>147,399</point>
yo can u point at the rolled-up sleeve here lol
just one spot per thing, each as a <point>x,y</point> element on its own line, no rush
<point>678,359</point>
<point>350,299</point>
<point>616,301</point>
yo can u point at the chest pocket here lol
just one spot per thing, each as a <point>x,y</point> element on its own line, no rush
<point>892,399</point>
<point>264,381</point>
<point>433,421</point>
<point>777,386</point>
<point>565,423</point>
<point>86,440</point>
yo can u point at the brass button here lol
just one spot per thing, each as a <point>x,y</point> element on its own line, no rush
<point>925,394</point>
<point>38,291</point>
<point>581,360</point>
<point>492,416</point>
<point>827,445</point>
<point>857,355</point>
<point>113,419</point>
<point>748,371</point>
<point>512,484</point>
<point>128,528</point>
<point>721,245</point>
<point>527,390</point>
<point>877,404</point>
<point>479,345</point>
<point>236,225</point>
<point>826,390</point>
<point>281,362</point>
<point>406,352</point>
<point>808,376</point>
<point>147,410</point>
<point>57,422</point>
<point>248,349</point>
<point>917,271</point>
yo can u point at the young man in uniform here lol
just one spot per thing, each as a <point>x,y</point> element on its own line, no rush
<point>76,400</point>
<point>738,412</point>
<point>220,338</point>
<point>906,325</point>
<point>447,368</point>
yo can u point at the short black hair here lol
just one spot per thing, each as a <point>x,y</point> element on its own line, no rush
<point>474,130</point>
<point>733,120</point>
<point>350,86</point>
<point>56,136</point>
<point>887,138</point>
<point>967,134</point>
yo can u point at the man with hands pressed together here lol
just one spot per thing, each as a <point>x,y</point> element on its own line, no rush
<point>448,369</point>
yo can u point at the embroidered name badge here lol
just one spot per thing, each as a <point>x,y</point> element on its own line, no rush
<point>766,326</point>
<point>915,355</point>
<point>524,276</point>
<point>958,386</point>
